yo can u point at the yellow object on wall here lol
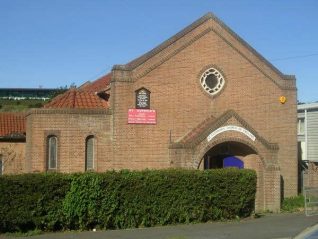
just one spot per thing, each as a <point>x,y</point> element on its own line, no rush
<point>282,99</point>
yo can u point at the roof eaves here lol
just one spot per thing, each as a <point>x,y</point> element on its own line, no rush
<point>107,88</point>
<point>16,136</point>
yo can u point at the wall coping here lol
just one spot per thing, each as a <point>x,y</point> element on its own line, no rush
<point>70,111</point>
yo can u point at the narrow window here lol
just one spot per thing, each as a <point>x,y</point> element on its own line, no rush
<point>89,157</point>
<point>52,152</point>
<point>1,165</point>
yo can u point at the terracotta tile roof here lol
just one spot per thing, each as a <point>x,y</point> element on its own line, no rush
<point>98,85</point>
<point>79,99</point>
<point>12,124</point>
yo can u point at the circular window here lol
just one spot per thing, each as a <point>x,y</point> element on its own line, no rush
<point>212,81</point>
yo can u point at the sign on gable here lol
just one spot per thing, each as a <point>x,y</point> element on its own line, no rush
<point>231,128</point>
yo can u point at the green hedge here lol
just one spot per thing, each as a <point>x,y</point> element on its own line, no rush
<point>124,199</point>
<point>30,201</point>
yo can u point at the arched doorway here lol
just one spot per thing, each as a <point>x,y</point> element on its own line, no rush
<point>227,154</point>
<point>240,155</point>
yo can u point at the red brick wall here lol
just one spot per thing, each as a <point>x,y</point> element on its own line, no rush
<point>172,76</point>
<point>13,156</point>
<point>252,91</point>
<point>72,127</point>
<point>253,161</point>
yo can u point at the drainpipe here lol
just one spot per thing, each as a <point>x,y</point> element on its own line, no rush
<point>306,135</point>
<point>306,147</point>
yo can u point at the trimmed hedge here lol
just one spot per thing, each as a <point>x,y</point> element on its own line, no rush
<point>31,201</point>
<point>124,199</point>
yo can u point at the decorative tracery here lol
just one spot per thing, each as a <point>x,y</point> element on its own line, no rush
<point>212,81</point>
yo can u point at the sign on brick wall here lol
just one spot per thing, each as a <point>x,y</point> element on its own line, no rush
<point>143,99</point>
<point>142,116</point>
<point>231,128</point>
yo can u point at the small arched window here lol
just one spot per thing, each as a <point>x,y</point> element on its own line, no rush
<point>52,152</point>
<point>89,153</point>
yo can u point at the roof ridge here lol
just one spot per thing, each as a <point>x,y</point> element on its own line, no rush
<point>77,98</point>
<point>98,84</point>
<point>74,92</point>
<point>143,58</point>
<point>248,46</point>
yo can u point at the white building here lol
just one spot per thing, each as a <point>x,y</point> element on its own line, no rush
<point>308,143</point>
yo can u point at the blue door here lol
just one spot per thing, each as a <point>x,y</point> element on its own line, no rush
<point>232,161</point>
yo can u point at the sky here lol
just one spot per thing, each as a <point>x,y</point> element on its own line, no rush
<point>57,43</point>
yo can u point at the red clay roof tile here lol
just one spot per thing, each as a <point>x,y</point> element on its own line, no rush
<point>12,124</point>
<point>78,99</point>
<point>98,85</point>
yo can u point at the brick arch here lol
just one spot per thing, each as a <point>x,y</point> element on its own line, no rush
<point>258,163</point>
<point>197,158</point>
<point>90,134</point>
<point>267,169</point>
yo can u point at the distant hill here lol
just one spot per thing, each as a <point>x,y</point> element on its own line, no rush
<point>22,99</point>
<point>11,105</point>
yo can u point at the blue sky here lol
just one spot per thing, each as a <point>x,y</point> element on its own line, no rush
<point>53,43</point>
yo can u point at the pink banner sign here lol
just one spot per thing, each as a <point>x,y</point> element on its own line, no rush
<point>142,116</point>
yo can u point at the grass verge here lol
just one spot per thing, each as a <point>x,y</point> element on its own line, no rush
<point>293,204</point>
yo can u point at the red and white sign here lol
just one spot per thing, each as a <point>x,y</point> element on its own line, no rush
<point>142,116</point>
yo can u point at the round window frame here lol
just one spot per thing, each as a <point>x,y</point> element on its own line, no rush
<point>208,70</point>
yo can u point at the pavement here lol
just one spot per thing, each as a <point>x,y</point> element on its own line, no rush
<point>270,226</point>
<point>309,233</point>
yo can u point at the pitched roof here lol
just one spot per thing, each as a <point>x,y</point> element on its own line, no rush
<point>12,124</point>
<point>79,99</point>
<point>139,60</point>
<point>97,85</point>
<point>143,58</point>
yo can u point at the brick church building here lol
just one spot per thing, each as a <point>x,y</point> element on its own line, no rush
<point>202,99</point>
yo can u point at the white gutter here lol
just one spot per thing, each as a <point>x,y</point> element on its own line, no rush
<point>307,106</point>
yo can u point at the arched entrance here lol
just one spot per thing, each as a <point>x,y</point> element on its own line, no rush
<point>240,155</point>
<point>230,141</point>
<point>227,154</point>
